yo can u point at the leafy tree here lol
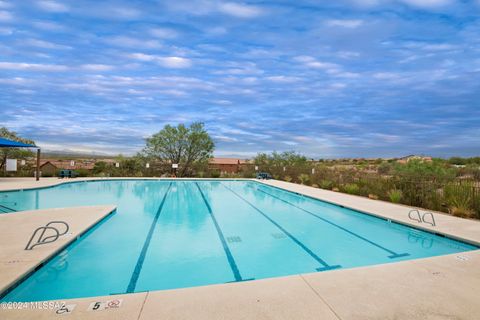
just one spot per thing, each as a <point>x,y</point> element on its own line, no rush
<point>186,146</point>
<point>16,153</point>
<point>294,163</point>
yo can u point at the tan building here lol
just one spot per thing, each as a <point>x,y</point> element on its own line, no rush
<point>51,167</point>
<point>226,165</point>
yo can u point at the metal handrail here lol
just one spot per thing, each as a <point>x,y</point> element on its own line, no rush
<point>421,218</point>
<point>429,222</point>
<point>413,218</point>
<point>41,240</point>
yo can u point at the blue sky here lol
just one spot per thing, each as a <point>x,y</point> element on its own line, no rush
<point>346,78</point>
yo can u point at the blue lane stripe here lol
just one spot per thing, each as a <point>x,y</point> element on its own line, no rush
<point>393,253</point>
<point>138,267</point>
<point>228,253</point>
<point>2,207</point>
<point>325,265</point>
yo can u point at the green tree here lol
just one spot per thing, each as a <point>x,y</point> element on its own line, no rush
<point>186,146</point>
<point>15,153</point>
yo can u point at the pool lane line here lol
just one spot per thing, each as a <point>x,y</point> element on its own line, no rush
<point>392,255</point>
<point>2,207</point>
<point>138,267</point>
<point>325,265</point>
<point>228,253</point>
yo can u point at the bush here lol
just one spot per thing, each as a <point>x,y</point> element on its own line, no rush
<point>395,195</point>
<point>304,179</point>
<point>326,184</point>
<point>82,172</point>
<point>215,174</point>
<point>459,200</point>
<point>462,212</point>
<point>351,188</point>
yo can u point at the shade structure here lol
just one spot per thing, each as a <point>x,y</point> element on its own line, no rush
<point>5,143</point>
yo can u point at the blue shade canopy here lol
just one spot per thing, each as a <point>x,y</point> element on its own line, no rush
<point>5,143</point>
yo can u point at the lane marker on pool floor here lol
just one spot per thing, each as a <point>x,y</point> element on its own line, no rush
<point>138,267</point>
<point>325,265</point>
<point>392,255</point>
<point>228,253</point>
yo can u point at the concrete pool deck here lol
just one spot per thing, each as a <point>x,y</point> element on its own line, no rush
<point>17,228</point>
<point>444,287</point>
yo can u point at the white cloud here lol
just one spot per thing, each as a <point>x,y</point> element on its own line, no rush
<point>348,54</point>
<point>52,6</point>
<point>386,76</point>
<point>97,67</point>
<point>431,46</point>
<point>351,24</point>
<point>366,3</point>
<point>125,13</point>
<point>174,62</point>
<point>6,31</point>
<point>142,56</point>
<point>5,4</point>
<point>428,4</point>
<point>32,66</point>
<point>124,41</point>
<point>45,44</point>
<point>163,33</point>
<point>337,85</point>
<point>14,81</point>
<point>314,63</point>
<point>283,79</point>
<point>48,25</point>
<point>205,7</point>
<point>168,62</point>
<point>439,47</point>
<point>5,16</point>
<point>239,10</point>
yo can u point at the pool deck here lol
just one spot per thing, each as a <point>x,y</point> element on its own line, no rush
<point>444,287</point>
<point>17,228</point>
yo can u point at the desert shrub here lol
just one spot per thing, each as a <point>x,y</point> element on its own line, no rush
<point>459,200</point>
<point>395,195</point>
<point>82,173</point>
<point>215,174</point>
<point>416,169</point>
<point>384,168</point>
<point>304,179</point>
<point>351,188</point>
<point>462,212</point>
<point>326,184</point>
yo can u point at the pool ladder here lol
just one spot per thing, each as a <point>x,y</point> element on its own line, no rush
<point>421,218</point>
<point>49,239</point>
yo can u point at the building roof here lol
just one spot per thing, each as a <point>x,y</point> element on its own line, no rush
<point>66,164</point>
<point>224,161</point>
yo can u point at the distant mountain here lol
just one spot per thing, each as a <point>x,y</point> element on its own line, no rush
<point>75,155</point>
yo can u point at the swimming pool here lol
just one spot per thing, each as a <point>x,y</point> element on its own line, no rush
<point>181,233</point>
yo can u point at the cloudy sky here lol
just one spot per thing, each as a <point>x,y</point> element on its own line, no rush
<point>362,78</point>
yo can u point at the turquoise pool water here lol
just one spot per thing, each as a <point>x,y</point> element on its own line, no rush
<point>174,234</point>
